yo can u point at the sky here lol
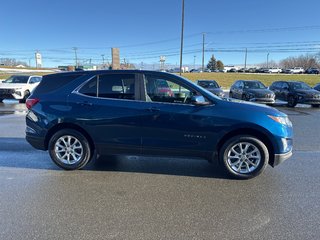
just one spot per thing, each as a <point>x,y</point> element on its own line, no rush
<point>144,30</point>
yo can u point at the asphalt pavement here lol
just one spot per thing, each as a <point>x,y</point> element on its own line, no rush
<point>156,198</point>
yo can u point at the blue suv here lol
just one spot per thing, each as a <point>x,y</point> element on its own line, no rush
<point>80,115</point>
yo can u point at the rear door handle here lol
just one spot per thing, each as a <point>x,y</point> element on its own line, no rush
<point>153,109</point>
<point>85,104</point>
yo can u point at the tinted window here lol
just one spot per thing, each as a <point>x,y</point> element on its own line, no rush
<point>208,84</point>
<point>55,81</point>
<point>285,86</point>
<point>254,85</point>
<point>163,90</point>
<point>17,79</point>
<point>236,84</point>
<point>35,80</point>
<point>299,85</point>
<point>90,88</point>
<point>117,86</point>
<point>276,85</point>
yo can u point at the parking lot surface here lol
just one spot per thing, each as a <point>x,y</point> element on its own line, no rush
<point>156,198</point>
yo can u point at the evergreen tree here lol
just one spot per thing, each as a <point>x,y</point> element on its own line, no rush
<point>212,64</point>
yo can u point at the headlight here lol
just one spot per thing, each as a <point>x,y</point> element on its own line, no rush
<point>18,91</point>
<point>282,120</point>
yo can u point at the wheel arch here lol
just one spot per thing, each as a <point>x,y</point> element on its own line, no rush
<point>252,132</point>
<point>61,126</point>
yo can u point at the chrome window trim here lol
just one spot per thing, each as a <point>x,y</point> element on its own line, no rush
<point>76,91</point>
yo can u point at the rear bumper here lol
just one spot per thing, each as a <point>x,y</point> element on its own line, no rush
<point>280,158</point>
<point>36,142</point>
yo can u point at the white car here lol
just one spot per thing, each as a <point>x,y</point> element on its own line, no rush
<point>18,87</point>
<point>274,70</point>
<point>296,70</point>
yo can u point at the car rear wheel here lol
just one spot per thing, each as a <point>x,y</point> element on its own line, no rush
<point>292,102</point>
<point>69,149</point>
<point>244,157</point>
<point>315,105</point>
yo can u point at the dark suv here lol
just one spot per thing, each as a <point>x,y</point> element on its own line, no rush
<point>211,86</point>
<point>252,90</point>
<point>295,92</point>
<point>79,115</point>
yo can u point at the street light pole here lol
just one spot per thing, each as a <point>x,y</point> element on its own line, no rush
<point>182,29</point>
<point>203,34</point>
<point>268,60</point>
<point>76,56</point>
<point>194,62</point>
<point>102,55</point>
<point>245,60</point>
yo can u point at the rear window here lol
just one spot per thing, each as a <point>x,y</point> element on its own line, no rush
<point>55,81</point>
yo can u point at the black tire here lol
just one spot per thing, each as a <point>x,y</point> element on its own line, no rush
<point>26,95</point>
<point>1,99</point>
<point>78,142</point>
<point>315,105</point>
<point>230,95</point>
<point>245,97</point>
<point>230,163</point>
<point>292,102</point>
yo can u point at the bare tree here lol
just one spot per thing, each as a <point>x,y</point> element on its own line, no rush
<point>305,61</point>
<point>11,62</point>
<point>271,64</point>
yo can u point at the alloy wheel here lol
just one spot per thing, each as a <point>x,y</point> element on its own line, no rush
<point>68,149</point>
<point>243,157</point>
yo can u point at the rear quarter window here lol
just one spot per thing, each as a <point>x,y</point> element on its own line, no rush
<point>55,81</point>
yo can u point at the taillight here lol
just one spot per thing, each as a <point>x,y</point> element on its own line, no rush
<point>31,102</point>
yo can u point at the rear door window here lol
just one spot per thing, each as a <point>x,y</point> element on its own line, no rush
<point>119,86</point>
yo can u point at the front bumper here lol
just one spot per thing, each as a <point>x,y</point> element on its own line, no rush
<point>11,94</point>
<point>309,101</point>
<point>263,100</point>
<point>280,158</point>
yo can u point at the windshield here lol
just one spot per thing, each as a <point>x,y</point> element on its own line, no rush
<point>254,85</point>
<point>208,84</point>
<point>299,85</point>
<point>17,79</point>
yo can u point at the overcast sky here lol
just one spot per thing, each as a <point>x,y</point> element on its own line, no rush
<point>146,29</point>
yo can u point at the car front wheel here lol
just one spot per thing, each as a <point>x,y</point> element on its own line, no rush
<point>26,95</point>
<point>69,149</point>
<point>292,102</point>
<point>244,157</point>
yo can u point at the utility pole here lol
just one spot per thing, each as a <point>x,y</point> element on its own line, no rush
<point>203,35</point>
<point>102,55</point>
<point>245,60</point>
<point>76,56</point>
<point>194,62</point>
<point>268,60</point>
<point>182,29</point>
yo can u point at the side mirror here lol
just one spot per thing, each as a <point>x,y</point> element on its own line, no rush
<point>199,101</point>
